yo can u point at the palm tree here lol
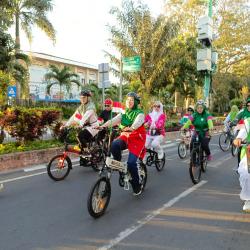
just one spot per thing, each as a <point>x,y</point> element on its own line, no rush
<point>62,77</point>
<point>13,62</point>
<point>140,34</point>
<point>28,13</point>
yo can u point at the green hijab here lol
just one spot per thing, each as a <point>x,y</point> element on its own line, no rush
<point>130,114</point>
<point>234,111</point>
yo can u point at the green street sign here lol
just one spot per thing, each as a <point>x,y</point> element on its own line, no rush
<point>131,64</point>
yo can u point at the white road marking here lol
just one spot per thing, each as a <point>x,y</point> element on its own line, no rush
<point>22,177</point>
<point>125,233</point>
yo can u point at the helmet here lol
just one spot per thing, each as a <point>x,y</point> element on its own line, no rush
<point>108,101</point>
<point>200,102</point>
<point>136,97</point>
<point>85,92</point>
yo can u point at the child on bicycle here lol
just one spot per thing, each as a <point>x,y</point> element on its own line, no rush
<point>132,137</point>
<point>244,134</point>
<point>155,121</point>
<point>85,115</point>
<point>202,122</point>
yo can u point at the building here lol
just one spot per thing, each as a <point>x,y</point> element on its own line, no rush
<point>40,66</point>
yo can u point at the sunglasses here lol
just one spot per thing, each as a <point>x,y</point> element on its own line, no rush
<point>248,105</point>
<point>157,106</point>
<point>107,105</point>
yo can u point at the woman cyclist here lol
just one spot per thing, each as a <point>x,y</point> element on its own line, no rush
<point>133,137</point>
<point>202,122</point>
<point>244,135</point>
<point>85,115</point>
<point>155,121</point>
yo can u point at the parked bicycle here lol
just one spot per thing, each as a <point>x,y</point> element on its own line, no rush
<point>184,144</point>
<point>100,192</point>
<point>153,160</point>
<point>198,160</point>
<point>60,165</point>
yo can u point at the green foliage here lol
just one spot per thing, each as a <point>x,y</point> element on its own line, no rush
<point>67,111</point>
<point>138,33</point>
<point>13,63</point>
<point>14,147</point>
<point>27,124</point>
<point>236,101</point>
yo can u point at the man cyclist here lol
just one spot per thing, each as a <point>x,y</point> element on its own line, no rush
<point>132,137</point>
<point>202,121</point>
<point>85,115</point>
<point>186,116</point>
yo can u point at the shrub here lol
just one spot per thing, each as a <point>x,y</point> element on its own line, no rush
<point>28,124</point>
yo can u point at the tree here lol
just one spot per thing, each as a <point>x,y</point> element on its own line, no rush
<point>14,63</point>
<point>62,77</point>
<point>138,33</point>
<point>27,13</point>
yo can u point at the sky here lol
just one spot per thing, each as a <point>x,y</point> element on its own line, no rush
<point>81,31</point>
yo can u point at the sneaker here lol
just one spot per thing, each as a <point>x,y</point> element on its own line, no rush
<point>246,207</point>
<point>160,155</point>
<point>137,190</point>
<point>1,186</point>
<point>209,157</point>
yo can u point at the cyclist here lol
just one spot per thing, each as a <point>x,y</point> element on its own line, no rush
<point>85,115</point>
<point>186,116</point>
<point>202,121</point>
<point>230,117</point>
<point>238,120</point>
<point>244,134</point>
<point>132,137</point>
<point>155,121</point>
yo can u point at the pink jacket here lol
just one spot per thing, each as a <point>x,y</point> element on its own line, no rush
<point>160,124</point>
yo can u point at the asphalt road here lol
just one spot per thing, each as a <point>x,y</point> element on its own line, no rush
<point>38,213</point>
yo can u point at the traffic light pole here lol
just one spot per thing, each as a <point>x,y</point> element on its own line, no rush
<point>207,79</point>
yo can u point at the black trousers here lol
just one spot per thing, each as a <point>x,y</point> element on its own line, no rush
<point>84,136</point>
<point>204,144</point>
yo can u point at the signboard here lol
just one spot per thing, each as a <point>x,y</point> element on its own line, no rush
<point>131,64</point>
<point>103,70</point>
<point>11,91</point>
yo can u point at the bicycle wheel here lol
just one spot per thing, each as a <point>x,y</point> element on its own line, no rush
<point>160,163</point>
<point>204,162</point>
<point>99,197</point>
<point>224,142</point>
<point>143,174</point>
<point>195,166</point>
<point>234,150</point>
<point>182,150</point>
<point>59,167</point>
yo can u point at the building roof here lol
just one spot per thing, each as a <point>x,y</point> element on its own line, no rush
<point>60,59</point>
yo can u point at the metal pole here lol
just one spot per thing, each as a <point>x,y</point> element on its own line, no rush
<point>207,78</point>
<point>121,80</point>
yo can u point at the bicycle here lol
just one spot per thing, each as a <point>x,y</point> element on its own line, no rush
<point>60,165</point>
<point>226,139</point>
<point>184,144</point>
<point>198,160</point>
<point>152,158</point>
<point>100,192</point>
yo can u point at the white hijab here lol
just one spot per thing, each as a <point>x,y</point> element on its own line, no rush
<point>156,114</point>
